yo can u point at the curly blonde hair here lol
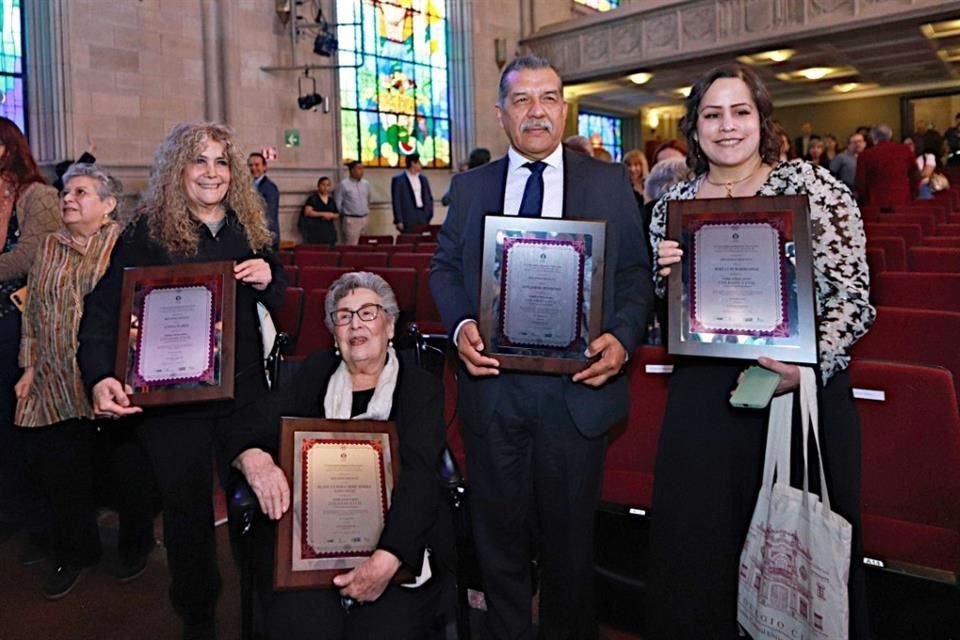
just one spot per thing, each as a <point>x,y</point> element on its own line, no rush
<point>165,201</point>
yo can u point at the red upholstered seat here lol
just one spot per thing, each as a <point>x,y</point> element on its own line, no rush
<point>934,259</point>
<point>293,273</point>
<point>414,260</point>
<point>894,251</point>
<point>314,335</point>
<point>289,316</point>
<point>320,277</point>
<point>310,248</point>
<point>912,234</point>
<point>285,257</point>
<point>913,336</point>
<point>927,221</point>
<point>911,466</point>
<point>374,239</point>
<point>932,207</point>
<point>454,434</point>
<point>876,260</point>
<point>916,290</point>
<point>426,247</point>
<point>948,229</point>
<point>632,449</point>
<point>318,259</point>
<point>942,241</point>
<point>403,281</point>
<point>363,260</point>
<point>427,316</point>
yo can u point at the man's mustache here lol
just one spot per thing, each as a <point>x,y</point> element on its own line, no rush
<point>536,124</point>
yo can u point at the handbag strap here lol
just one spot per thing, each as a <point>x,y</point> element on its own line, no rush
<point>777,456</point>
<point>810,421</point>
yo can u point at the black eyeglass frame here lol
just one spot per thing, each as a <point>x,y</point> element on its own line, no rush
<point>348,319</point>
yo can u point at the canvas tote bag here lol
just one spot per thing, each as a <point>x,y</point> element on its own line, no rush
<point>796,558</point>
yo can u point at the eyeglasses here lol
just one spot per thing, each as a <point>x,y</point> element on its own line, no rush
<point>367,313</point>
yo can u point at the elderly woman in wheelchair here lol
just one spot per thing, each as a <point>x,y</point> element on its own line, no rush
<point>365,378</point>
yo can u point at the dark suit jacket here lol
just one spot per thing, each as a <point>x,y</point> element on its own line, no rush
<point>592,190</point>
<point>405,205</point>
<point>886,175</point>
<point>271,197</point>
<point>418,518</point>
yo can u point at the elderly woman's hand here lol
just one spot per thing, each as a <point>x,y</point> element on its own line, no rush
<point>111,399</point>
<point>668,253</point>
<point>255,272</point>
<point>367,582</point>
<point>267,481</point>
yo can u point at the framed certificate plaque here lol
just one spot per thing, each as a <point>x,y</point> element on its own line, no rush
<point>341,475</point>
<point>744,287</point>
<point>541,291</point>
<point>176,333</point>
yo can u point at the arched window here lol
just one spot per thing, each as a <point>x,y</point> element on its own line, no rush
<point>394,89</point>
<point>12,104</point>
<point>602,131</point>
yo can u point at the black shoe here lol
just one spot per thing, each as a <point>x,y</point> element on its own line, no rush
<point>60,582</point>
<point>130,570</point>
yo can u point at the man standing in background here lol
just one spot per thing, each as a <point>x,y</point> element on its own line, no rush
<point>411,197</point>
<point>353,202</point>
<point>269,192</point>
<point>844,165</point>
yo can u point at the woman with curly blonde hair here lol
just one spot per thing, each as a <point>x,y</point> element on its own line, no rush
<point>200,206</point>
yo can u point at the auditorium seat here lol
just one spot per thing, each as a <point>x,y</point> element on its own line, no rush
<point>363,260</point>
<point>413,260</point>
<point>927,221</point>
<point>426,247</point>
<point>948,229</point>
<point>934,259</point>
<point>911,467</point>
<point>356,248</point>
<point>427,316</point>
<point>916,290</point>
<point>912,234</point>
<point>318,259</point>
<point>314,335</point>
<point>894,251</point>
<point>876,261</point>
<point>320,277</point>
<point>632,448</point>
<point>289,316</point>
<point>942,241</point>
<point>405,247</point>
<point>310,248</point>
<point>932,207</point>
<point>403,281</point>
<point>413,238</point>
<point>454,434</point>
<point>285,257</point>
<point>912,336</point>
<point>376,239</point>
<point>293,273</point>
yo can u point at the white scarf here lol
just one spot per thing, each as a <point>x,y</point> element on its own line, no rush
<point>338,401</point>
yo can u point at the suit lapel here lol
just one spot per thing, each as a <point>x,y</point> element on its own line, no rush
<point>575,202</point>
<point>492,197</point>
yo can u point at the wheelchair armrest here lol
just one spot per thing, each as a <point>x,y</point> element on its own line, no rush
<point>242,504</point>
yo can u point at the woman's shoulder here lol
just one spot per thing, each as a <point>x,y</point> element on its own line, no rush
<point>36,190</point>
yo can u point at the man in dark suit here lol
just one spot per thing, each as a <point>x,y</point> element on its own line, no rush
<point>269,192</point>
<point>411,196</point>
<point>535,442</point>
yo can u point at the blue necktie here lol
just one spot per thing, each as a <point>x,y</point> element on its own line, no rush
<point>532,201</point>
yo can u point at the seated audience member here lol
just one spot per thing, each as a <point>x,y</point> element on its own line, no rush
<point>580,144</point>
<point>52,405</point>
<point>926,167</point>
<point>886,172</point>
<point>86,157</point>
<point>637,170</point>
<point>365,378</point>
<point>319,215</point>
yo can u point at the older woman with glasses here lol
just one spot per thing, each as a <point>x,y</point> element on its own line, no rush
<point>365,378</point>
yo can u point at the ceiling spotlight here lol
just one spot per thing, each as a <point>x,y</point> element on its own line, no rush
<point>812,74</point>
<point>767,57</point>
<point>951,54</point>
<point>310,100</point>
<point>847,87</point>
<point>641,78</point>
<point>945,29</point>
<point>683,92</point>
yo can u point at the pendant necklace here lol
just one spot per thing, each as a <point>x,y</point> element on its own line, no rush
<point>728,185</point>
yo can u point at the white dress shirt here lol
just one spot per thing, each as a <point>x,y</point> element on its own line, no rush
<point>517,175</point>
<point>414,180</point>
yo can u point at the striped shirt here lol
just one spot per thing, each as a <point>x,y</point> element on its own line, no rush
<point>62,274</point>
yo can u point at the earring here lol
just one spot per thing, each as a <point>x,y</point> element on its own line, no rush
<point>336,349</point>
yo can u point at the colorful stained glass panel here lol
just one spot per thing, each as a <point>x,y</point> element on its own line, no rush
<point>11,63</point>
<point>599,5</point>
<point>602,131</point>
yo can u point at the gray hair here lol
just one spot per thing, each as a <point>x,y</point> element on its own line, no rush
<point>107,185</point>
<point>360,280</point>
<point>579,143</point>
<point>529,61</point>
<point>664,175</point>
<point>881,133</point>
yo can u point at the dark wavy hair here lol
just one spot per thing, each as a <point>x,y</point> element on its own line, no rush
<point>17,164</point>
<point>769,142</point>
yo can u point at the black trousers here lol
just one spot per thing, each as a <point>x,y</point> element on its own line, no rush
<point>60,458</point>
<point>535,485</point>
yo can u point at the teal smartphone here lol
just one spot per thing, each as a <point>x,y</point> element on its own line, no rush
<point>756,388</point>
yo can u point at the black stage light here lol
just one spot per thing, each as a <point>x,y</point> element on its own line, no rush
<point>325,44</point>
<point>308,100</point>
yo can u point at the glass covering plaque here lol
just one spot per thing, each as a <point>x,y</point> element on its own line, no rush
<point>176,333</point>
<point>541,291</point>
<point>744,287</point>
<point>341,475</point>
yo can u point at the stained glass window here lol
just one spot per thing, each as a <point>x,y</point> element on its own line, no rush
<point>394,95</point>
<point>599,5</point>
<point>602,131</point>
<point>11,63</point>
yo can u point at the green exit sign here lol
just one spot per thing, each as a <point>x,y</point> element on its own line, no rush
<point>291,138</point>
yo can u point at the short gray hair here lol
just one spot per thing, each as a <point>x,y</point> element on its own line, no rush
<point>360,280</point>
<point>664,175</point>
<point>881,133</point>
<point>107,185</point>
<point>529,61</point>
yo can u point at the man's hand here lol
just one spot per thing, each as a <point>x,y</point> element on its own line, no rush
<point>111,399</point>
<point>367,582</point>
<point>470,346</point>
<point>267,481</point>
<point>255,272</point>
<point>399,227</point>
<point>612,358</point>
